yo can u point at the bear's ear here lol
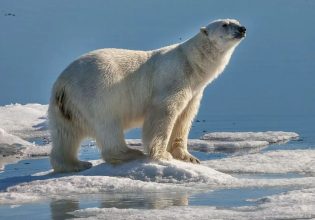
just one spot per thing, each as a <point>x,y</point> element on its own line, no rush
<point>204,31</point>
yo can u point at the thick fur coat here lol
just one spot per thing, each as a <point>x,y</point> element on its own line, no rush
<point>107,91</point>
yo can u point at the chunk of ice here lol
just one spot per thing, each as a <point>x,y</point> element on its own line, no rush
<point>281,161</point>
<point>269,136</point>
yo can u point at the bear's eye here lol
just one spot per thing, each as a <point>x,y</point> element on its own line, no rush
<point>224,25</point>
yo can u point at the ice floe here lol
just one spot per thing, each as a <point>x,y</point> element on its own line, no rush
<point>281,161</point>
<point>20,126</point>
<point>133,177</point>
<point>76,185</point>
<point>240,140</point>
<point>269,136</point>
<point>206,146</point>
<point>298,204</point>
<point>13,148</point>
<point>162,172</point>
<point>136,176</point>
<point>18,198</point>
<point>6,138</point>
<point>24,121</point>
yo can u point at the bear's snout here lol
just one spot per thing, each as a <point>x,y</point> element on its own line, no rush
<point>242,29</point>
<point>240,33</point>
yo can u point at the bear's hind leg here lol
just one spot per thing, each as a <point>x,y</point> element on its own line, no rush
<point>65,144</point>
<point>112,144</point>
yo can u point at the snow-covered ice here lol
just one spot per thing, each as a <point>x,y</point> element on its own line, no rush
<point>71,186</point>
<point>136,176</point>
<point>133,177</point>
<point>24,121</point>
<point>25,147</point>
<point>162,172</point>
<point>18,198</point>
<point>281,161</point>
<point>205,145</point>
<point>269,136</point>
<point>20,125</point>
<point>6,138</point>
<point>241,140</point>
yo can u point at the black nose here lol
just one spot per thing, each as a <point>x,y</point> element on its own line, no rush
<point>242,29</point>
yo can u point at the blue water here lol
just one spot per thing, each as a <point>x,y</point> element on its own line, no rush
<point>271,72</point>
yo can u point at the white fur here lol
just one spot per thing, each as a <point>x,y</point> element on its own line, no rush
<point>107,91</point>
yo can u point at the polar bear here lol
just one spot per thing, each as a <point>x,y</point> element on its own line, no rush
<point>107,91</point>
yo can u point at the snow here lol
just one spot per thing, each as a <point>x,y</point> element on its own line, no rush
<point>18,198</point>
<point>291,205</point>
<point>22,146</point>
<point>10,139</point>
<point>240,140</point>
<point>205,145</point>
<point>134,177</point>
<point>76,185</point>
<point>37,151</point>
<point>20,125</point>
<point>173,171</point>
<point>269,136</point>
<point>24,121</point>
<point>13,148</point>
<point>281,161</point>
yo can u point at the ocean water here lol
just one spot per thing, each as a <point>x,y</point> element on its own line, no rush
<point>220,198</point>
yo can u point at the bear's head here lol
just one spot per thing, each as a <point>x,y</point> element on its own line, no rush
<point>225,33</point>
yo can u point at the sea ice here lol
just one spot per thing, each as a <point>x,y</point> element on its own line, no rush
<point>173,171</point>
<point>19,126</point>
<point>18,198</point>
<point>6,138</point>
<point>24,121</point>
<point>135,176</point>
<point>13,148</point>
<point>269,136</point>
<point>205,145</point>
<point>281,161</point>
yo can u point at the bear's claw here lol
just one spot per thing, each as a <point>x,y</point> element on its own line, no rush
<point>179,152</point>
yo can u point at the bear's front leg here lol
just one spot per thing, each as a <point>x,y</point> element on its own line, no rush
<point>177,145</point>
<point>157,128</point>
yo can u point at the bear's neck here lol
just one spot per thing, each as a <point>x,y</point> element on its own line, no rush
<point>206,59</point>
